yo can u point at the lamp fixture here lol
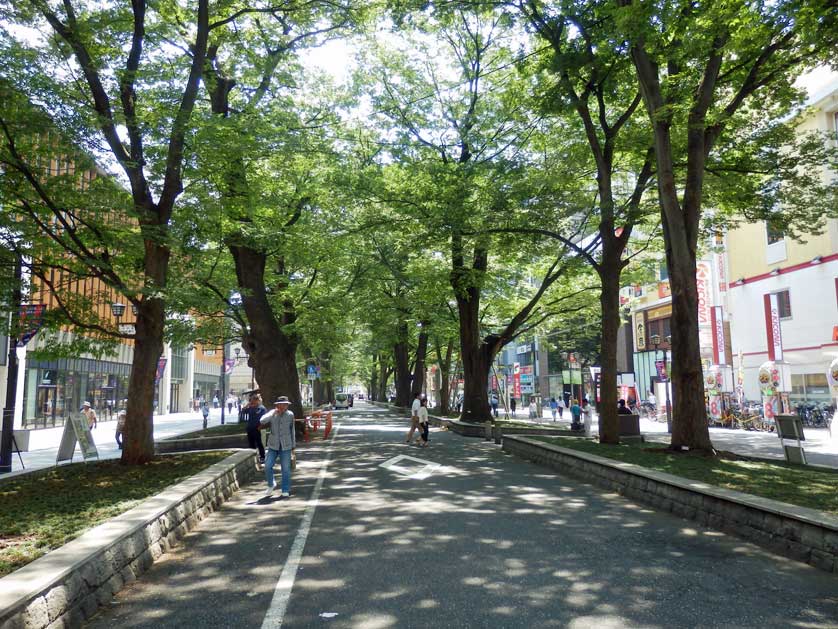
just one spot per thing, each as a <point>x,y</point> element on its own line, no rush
<point>238,351</point>
<point>134,309</point>
<point>655,339</point>
<point>775,271</point>
<point>668,339</point>
<point>817,259</point>
<point>739,282</point>
<point>117,309</point>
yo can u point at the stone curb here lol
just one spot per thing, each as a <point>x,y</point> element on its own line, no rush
<point>799,533</point>
<point>69,584</point>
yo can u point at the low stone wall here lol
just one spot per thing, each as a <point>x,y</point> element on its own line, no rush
<point>67,585</point>
<point>797,532</point>
<point>187,444</point>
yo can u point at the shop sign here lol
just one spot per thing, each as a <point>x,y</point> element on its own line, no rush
<point>716,407</point>
<point>717,318</point>
<point>526,369</point>
<point>640,332</point>
<point>703,287</point>
<point>664,290</point>
<point>523,349</point>
<point>772,327</point>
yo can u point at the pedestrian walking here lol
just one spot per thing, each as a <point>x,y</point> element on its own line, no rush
<point>414,418</point>
<point>282,444</point>
<point>253,412</point>
<point>89,414</point>
<point>575,415</point>
<point>120,427</point>
<point>205,413</point>
<point>512,405</point>
<point>586,414</point>
<point>554,407</point>
<point>230,402</point>
<point>561,406</point>
<point>493,401</point>
<point>424,424</point>
<point>215,401</point>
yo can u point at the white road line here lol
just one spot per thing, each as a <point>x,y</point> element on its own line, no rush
<point>282,592</point>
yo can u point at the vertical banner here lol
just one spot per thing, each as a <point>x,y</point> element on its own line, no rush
<point>772,327</point>
<point>229,363</point>
<point>660,366</point>
<point>718,324</point>
<point>716,407</point>
<point>30,318</point>
<point>640,331</point>
<point>516,380</point>
<point>161,367</point>
<point>769,407</point>
<point>704,287</point>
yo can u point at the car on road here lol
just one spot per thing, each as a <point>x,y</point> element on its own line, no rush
<point>341,401</point>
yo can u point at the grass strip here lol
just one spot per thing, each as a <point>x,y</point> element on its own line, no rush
<point>804,486</point>
<point>46,509</point>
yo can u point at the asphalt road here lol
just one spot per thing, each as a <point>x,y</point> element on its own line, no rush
<point>481,540</point>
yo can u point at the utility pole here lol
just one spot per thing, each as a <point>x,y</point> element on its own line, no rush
<point>7,436</point>
<point>223,378</point>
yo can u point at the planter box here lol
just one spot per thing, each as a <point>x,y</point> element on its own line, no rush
<point>69,584</point>
<point>221,442</point>
<point>629,425</point>
<point>796,532</point>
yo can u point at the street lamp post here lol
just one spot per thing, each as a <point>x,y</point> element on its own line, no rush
<point>656,339</point>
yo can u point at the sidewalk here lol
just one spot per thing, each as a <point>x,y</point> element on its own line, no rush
<point>819,448</point>
<point>43,444</point>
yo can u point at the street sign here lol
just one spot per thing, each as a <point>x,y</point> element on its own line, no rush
<point>127,328</point>
<point>76,429</point>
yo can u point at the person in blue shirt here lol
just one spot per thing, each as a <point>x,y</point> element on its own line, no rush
<point>554,407</point>
<point>576,416</point>
<point>252,414</point>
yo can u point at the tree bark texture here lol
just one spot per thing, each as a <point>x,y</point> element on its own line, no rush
<point>271,352</point>
<point>609,299</point>
<point>418,384</point>
<point>138,438</point>
<point>401,361</point>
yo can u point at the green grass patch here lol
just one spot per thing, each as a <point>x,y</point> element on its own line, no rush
<point>534,425</point>
<point>214,431</point>
<point>46,509</point>
<point>812,487</point>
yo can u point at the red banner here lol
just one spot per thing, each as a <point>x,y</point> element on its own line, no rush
<point>161,367</point>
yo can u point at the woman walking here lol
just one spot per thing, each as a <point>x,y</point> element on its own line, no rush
<point>423,422</point>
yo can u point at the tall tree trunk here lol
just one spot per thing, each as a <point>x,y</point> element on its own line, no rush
<point>271,352</point>
<point>383,376</point>
<point>372,393</point>
<point>418,383</point>
<point>444,363</point>
<point>138,445</point>
<point>401,361</point>
<point>609,299</point>
<point>476,363</point>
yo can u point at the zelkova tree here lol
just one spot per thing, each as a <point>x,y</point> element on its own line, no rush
<point>461,128</point>
<point>585,76</point>
<point>131,104</point>
<point>710,72</point>
<point>268,154</point>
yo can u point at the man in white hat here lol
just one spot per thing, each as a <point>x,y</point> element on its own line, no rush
<point>281,443</point>
<point>89,414</point>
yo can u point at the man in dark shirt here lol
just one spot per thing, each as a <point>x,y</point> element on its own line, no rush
<point>253,413</point>
<point>622,409</point>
